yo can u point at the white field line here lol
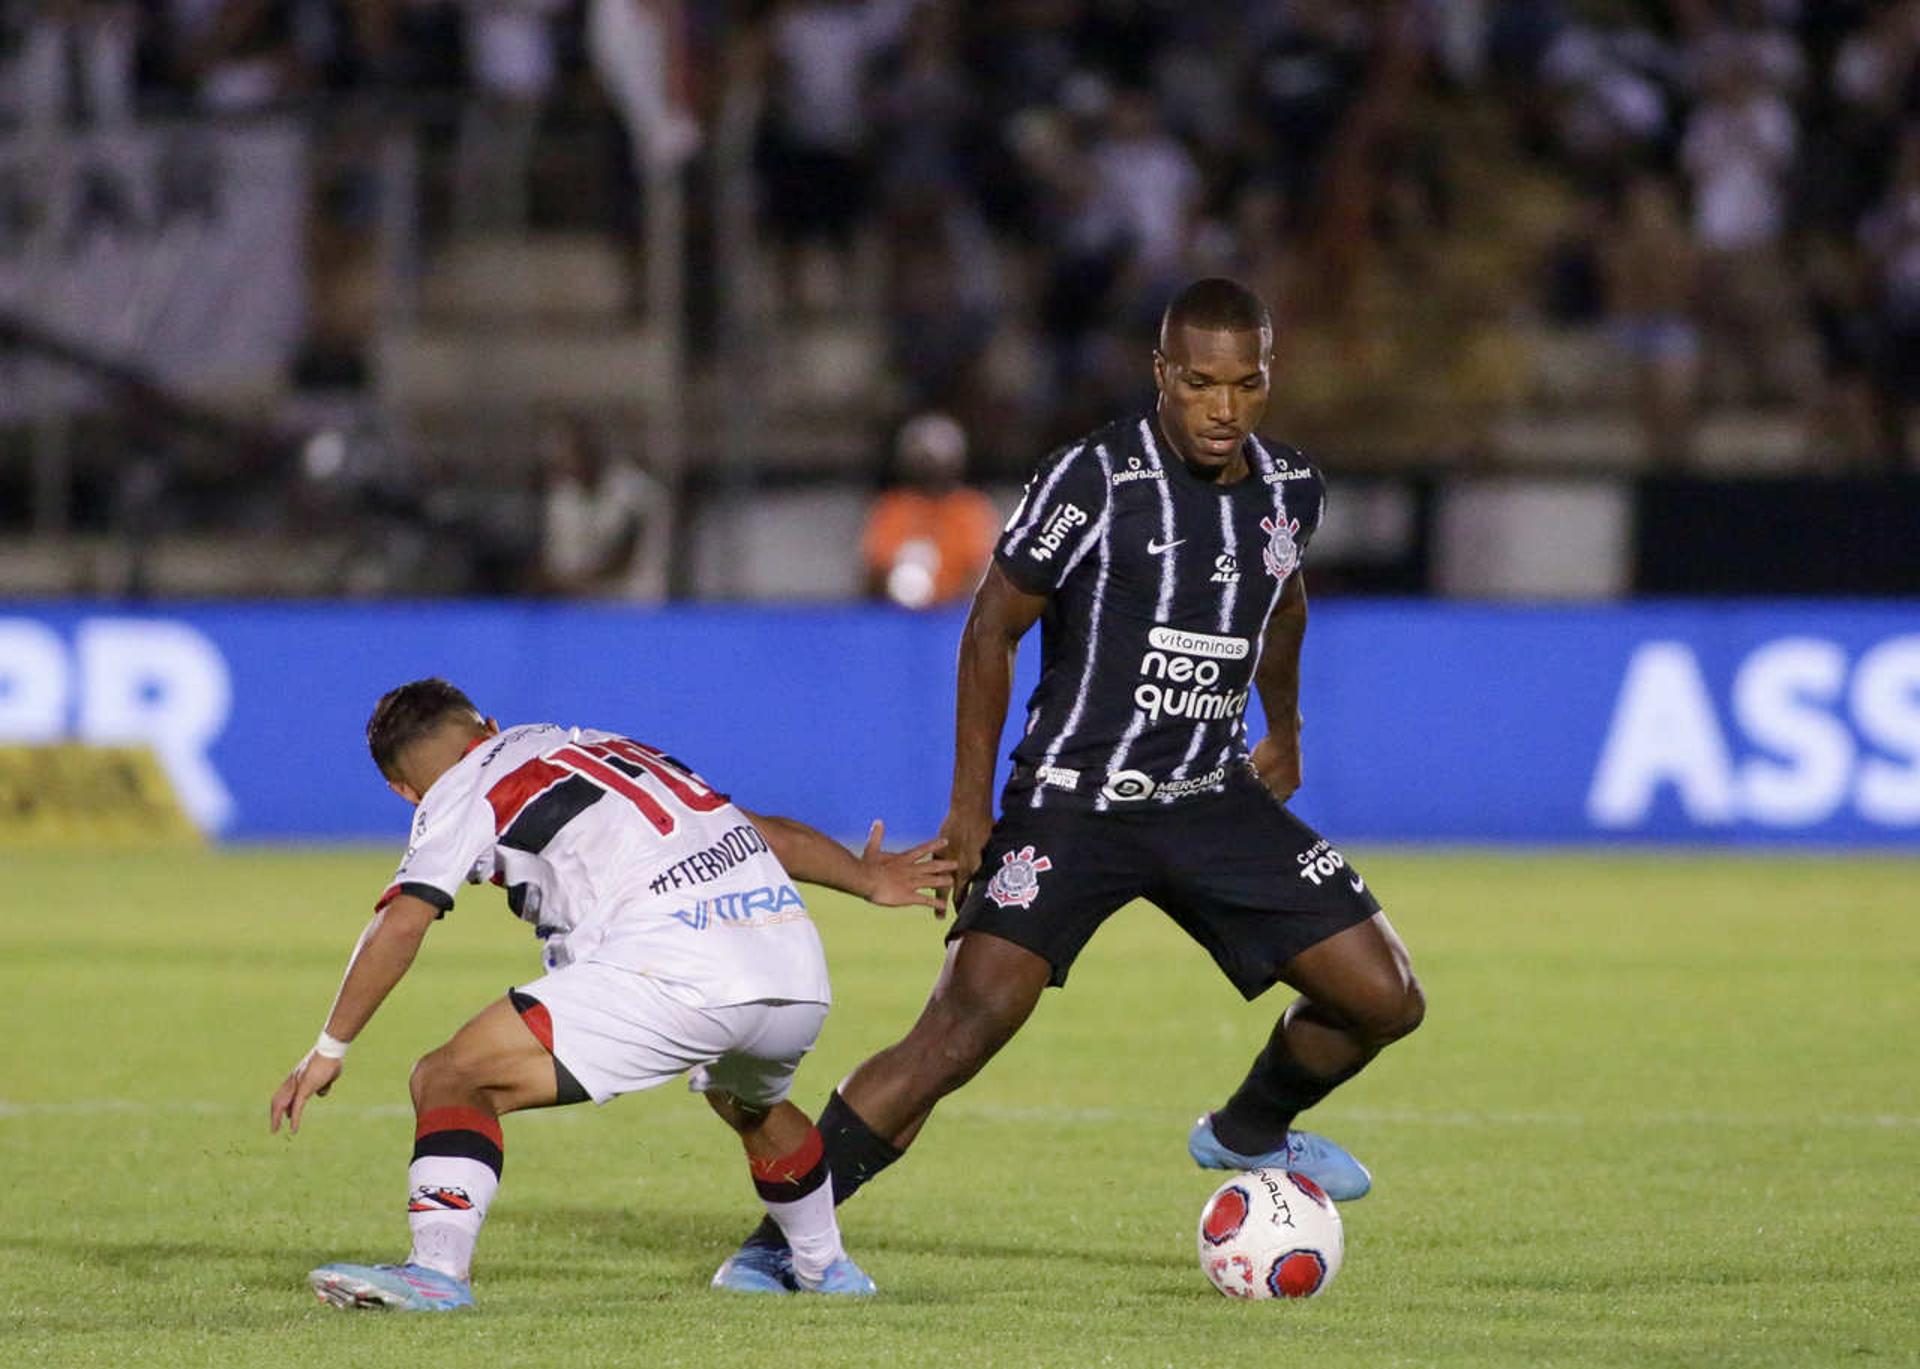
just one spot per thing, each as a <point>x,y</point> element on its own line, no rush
<point>1443,1117</point>
<point>141,1107</point>
<point>97,1107</point>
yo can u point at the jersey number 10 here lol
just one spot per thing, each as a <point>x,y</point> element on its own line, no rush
<point>639,774</point>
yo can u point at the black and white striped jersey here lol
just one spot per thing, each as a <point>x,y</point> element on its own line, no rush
<point>1160,586</point>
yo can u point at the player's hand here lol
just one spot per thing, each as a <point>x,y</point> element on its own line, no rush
<point>966,837</point>
<point>906,879</point>
<point>1278,766</point>
<point>313,1075</point>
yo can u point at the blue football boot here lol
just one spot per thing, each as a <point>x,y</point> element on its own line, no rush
<point>1343,1177</point>
<point>842,1277</point>
<point>757,1268</point>
<point>402,1287</point>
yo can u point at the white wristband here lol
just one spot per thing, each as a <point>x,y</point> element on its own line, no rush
<point>331,1047</point>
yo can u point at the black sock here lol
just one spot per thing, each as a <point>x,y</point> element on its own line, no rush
<point>854,1152</point>
<point>1278,1087</point>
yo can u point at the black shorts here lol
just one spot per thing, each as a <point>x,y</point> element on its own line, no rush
<point>1242,876</point>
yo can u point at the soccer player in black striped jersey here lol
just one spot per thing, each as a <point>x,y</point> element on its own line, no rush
<point>1161,557</point>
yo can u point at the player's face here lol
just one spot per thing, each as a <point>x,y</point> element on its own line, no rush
<point>1213,391</point>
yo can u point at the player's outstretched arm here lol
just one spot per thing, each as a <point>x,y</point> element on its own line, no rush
<point>380,958</point>
<point>897,879</point>
<point>1001,615</point>
<point>1277,757</point>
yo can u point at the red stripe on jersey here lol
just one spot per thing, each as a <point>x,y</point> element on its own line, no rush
<point>607,777</point>
<point>518,788</point>
<point>387,896</point>
<point>458,1119</point>
<point>689,789</point>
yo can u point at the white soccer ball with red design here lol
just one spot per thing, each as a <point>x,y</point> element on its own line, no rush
<point>1270,1233</point>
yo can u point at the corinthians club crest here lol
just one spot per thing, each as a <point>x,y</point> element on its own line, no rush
<point>1282,553</point>
<point>1017,882</point>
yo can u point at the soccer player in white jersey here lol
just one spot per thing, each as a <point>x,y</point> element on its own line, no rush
<point>674,943</point>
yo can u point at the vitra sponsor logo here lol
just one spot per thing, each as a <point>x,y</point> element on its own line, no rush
<point>760,907</point>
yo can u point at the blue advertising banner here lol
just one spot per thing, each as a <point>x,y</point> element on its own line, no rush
<point>1741,723</point>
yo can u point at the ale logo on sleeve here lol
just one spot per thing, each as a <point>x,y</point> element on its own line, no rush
<point>1017,882</point>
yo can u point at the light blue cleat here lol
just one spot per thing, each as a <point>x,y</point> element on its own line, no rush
<point>1343,1177</point>
<point>755,1268</point>
<point>842,1277</point>
<point>402,1287</point>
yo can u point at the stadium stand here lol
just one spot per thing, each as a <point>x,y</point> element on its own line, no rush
<point>746,239</point>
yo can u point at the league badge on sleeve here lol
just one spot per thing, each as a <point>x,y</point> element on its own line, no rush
<point>1017,882</point>
<point>1281,553</point>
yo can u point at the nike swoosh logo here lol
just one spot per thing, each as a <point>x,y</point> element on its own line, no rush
<point>1155,548</point>
<point>1359,884</point>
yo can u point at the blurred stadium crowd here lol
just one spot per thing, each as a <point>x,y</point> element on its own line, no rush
<point>1497,233</point>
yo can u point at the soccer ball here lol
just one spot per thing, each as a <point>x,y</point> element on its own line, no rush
<point>1270,1233</point>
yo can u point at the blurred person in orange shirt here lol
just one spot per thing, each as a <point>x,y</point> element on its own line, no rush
<point>929,538</point>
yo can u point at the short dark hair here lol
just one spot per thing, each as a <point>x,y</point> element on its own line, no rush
<point>406,714</point>
<point>1216,302</point>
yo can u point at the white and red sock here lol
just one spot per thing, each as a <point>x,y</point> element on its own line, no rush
<point>457,1154</point>
<point>798,1194</point>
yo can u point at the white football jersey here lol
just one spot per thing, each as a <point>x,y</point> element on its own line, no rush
<point>616,853</point>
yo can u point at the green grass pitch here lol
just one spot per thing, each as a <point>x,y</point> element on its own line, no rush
<point>1665,1111</point>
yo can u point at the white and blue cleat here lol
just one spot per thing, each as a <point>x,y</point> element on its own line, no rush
<point>1328,1165</point>
<point>397,1287</point>
<point>843,1278</point>
<point>755,1268</point>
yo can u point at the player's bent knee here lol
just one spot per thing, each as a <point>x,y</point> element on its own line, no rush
<point>1410,1012</point>
<point>436,1075</point>
<point>1386,1014</point>
<point>741,1116</point>
<point>426,1078</point>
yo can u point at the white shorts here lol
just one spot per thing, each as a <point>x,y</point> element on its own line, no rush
<point>618,1031</point>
